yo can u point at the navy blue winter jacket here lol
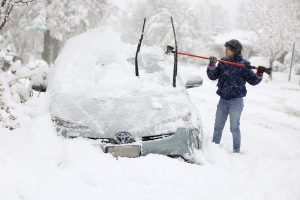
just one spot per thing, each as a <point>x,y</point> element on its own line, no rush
<point>232,79</point>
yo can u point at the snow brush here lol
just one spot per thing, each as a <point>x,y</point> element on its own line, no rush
<point>170,50</point>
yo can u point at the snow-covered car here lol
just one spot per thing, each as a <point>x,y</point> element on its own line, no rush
<point>97,95</point>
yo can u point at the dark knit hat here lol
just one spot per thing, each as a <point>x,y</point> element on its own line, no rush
<point>234,45</point>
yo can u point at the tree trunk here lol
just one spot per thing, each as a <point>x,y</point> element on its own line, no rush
<point>51,48</point>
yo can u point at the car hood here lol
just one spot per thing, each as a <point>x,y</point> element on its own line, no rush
<point>139,115</point>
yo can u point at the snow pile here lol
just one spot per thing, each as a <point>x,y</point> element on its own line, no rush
<point>40,77</point>
<point>37,164</point>
<point>16,83</point>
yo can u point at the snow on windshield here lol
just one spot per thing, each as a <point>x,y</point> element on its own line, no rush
<point>97,63</point>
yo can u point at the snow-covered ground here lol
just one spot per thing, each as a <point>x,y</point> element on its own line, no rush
<point>37,164</point>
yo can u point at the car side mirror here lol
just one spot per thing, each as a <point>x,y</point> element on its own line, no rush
<point>193,81</point>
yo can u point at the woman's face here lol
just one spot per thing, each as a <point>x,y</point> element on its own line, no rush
<point>229,53</point>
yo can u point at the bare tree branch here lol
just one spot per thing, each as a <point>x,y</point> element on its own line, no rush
<point>7,7</point>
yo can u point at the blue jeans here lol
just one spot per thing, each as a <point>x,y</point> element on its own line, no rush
<point>233,108</point>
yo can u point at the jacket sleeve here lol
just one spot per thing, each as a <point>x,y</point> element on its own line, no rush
<point>251,77</point>
<point>213,73</point>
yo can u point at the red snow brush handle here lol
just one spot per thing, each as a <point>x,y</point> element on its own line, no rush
<point>170,49</point>
<point>222,61</point>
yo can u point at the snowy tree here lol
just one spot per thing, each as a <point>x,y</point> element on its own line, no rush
<point>158,18</point>
<point>48,24</point>
<point>7,118</point>
<point>8,62</point>
<point>66,18</point>
<point>7,7</point>
<point>17,83</point>
<point>193,24</point>
<point>213,18</point>
<point>24,34</point>
<point>76,17</point>
<point>275,22</point>
<point>17,34</point>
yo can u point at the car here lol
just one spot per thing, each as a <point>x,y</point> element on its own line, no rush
<point>96,95</point>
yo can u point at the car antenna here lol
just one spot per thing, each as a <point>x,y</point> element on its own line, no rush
<point>138,50</point>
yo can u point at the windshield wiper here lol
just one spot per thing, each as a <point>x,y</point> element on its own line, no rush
<point>175,55</point>
<point>138,50</point>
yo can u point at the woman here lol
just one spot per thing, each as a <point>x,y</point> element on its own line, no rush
<point>231,89</point>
